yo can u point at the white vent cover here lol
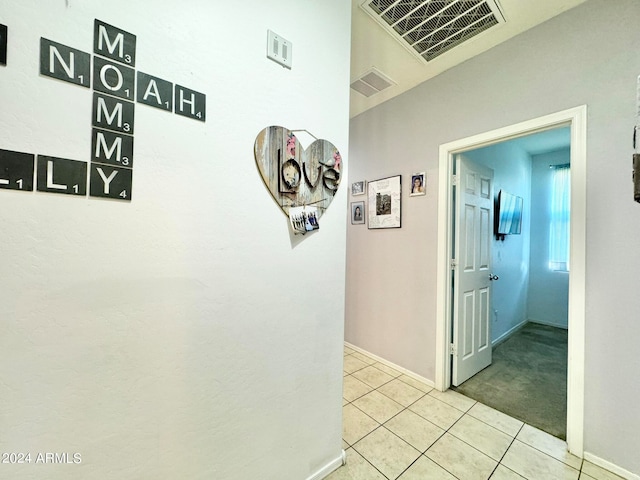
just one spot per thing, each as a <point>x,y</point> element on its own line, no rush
<point>429,28</point>
<point>371,82</point>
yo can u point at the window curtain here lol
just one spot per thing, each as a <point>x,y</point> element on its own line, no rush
<point>560,217</point>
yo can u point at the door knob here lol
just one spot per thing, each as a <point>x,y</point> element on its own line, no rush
<point>493,277</point>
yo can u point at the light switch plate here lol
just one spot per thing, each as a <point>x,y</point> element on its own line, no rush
<point>279,49</point>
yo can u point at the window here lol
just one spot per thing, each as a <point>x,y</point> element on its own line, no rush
<point>560,218</point>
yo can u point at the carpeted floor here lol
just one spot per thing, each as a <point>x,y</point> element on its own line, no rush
<point>527,378</point>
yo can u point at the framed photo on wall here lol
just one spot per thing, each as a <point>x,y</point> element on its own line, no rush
<point>357,188</point>
<point>418,184</point>
<point>357,213</point>
<point>384,202</point>
<point>3,44</point>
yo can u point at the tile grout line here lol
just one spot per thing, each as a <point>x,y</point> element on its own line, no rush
<point>550,456</point>
<point>517,433</point>
<point>365,394</point>
<point>362,455</point>
<point>447,431</point>
<point>367,460</point>
<point>505,452</point>
<point>420,453</point>
<point>513,439</point>
<point>407,408</point>
<point>464,413</point>
<point>431,396</point>
<point>404,407</point>
<point>389,419</point>
<point>491,426</point>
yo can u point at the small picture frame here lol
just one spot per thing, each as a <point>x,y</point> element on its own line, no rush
<point>303,219</point>
<point>418,184</point>
<point>357,188</point>
<point>357,213</point>
<point>3,44</point>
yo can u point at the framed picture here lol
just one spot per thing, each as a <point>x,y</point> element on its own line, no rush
<point>3,44</point>
<point>357,213</point>
<point>384,202</point>
<point>357,188</point>
<point>418,184</point>
<point>303,219</point>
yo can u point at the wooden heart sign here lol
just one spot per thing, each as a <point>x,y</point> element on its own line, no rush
<point>295,176</point>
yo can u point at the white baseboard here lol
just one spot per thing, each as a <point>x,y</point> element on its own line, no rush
<point>505,336</point>
<point>621,472</point>
<point>408,373</point>
<point>330,467</point>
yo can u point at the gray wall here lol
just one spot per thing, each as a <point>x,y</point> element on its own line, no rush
<point>587,55</point>
<point>548,289</point>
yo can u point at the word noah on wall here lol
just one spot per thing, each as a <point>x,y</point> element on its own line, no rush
<point>116,86</point>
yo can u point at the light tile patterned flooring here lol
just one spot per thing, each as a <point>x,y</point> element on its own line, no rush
<point>395,427</point>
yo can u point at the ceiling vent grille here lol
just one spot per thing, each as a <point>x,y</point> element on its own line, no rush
<point>371,82</point>
<point>429,28</point>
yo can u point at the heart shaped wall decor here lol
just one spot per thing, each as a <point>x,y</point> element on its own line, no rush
<point>294,176</point>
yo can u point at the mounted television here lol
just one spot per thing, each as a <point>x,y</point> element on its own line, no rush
<point>508,214</point>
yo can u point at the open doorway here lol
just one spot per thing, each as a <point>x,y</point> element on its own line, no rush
<point>576,119</point>
<point>528,306</point>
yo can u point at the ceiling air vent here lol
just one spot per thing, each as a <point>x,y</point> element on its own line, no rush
<point>372,82</point>
<point>429,28</point>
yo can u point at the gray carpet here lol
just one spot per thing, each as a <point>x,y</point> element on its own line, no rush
<point>527,378</point>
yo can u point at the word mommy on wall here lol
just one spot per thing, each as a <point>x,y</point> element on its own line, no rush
<point>116,86</point>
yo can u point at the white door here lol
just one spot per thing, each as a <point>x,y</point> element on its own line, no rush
<point>472,271</point>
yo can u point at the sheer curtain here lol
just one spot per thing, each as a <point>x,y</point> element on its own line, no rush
<point>560,216</point>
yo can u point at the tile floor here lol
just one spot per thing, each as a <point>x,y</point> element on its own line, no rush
<point>395,427</point>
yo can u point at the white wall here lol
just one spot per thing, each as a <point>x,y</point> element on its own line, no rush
<point>558,65</point>
<point>184,334</point>
<point>511,166</point>
<point>548,289</point>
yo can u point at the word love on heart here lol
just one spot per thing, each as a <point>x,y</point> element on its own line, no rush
<point>296,176</point>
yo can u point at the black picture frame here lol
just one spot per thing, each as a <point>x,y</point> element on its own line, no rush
<point>3,44</point>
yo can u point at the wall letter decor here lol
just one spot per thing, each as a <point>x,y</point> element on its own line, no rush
<point>294,176</point>
<point>113,79</point>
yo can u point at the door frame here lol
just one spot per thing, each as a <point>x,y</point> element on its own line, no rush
<point>576,118</point>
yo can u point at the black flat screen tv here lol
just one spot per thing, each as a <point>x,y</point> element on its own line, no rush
<point>509,214</point>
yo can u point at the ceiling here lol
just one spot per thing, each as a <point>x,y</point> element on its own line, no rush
<point>538,143</point>
<point>372,46</point>
<point>546,141</point>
